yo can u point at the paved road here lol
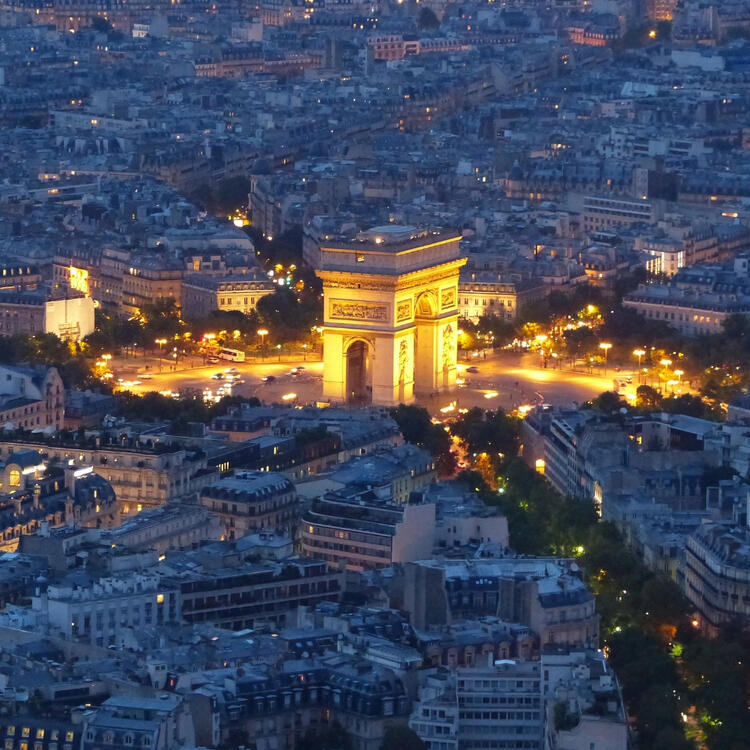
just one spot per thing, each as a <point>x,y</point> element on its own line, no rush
<point>518,379</point>
<point>506,380</point>
<point>306,385</point>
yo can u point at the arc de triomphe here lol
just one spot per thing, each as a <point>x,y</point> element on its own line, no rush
<point>391,314</point>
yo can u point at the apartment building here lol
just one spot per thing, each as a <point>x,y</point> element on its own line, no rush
<point>717,574</point>
<point>357,530</point>
<point>252,500</point>
<point>546,596</point>
<point>149,278</point>
<point>395,472</point>
<point>486,293</point>
<point>162,722</point>
<point>172,526</point>
<point>697,300</point>
<point>584,705</point>
<point>31,398</point>
<point>278,707</point>
<point>601,213</point>
<point>71,318</point>
<point>215,587</point>
<point>201,294</point>
<point>101,611</point>
<point>141,475</point>
<point>500,705</point>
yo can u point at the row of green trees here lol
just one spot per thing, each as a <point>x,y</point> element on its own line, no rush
<point>286,315</point>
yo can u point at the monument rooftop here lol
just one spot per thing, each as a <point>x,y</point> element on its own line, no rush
<point>391,250</point>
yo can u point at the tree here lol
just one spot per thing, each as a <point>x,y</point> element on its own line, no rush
<point>334,737</point>
<point>225,320</point>
<point>625,326</point>
<point>647,397</point>
<point>101,25</point>
<point>286,316</point>
<point>500,332</point>
<point>692,406</point>
<point>232,194</point>
<point>416,426</point>
<point>581,342</point>
<point>607,402</point>
<point>237,738</point>
<point>672,739</point>
<point>492,432</point>
<point>161,318</point>
<point>401,738</point>
<point>737,329</point>
<point>427,19</point>
<point>663,601</point>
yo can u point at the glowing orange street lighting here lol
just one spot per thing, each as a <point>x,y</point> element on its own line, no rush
<point>639,353</point>
<point>605,347</point>
<point>262,332</point>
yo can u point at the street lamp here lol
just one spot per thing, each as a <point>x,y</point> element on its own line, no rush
<point>160,342</point>
<point>262,332</point>
<point>639,353</point>
<point>605,347</point>
<point>679,374</point>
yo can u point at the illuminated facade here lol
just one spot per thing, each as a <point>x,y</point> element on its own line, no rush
<point>34,496</point>
<point>78,279</point>
<point>661,10</point>
<point>390,314</point>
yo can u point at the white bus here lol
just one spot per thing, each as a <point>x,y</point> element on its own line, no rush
<point>231,355</point>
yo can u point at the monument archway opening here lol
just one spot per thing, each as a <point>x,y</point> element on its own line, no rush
<point>358,373</point>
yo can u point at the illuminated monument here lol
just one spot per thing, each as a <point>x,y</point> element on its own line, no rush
<point>390,315</point>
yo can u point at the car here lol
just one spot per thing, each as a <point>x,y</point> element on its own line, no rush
<point>268,379</point>
<point>473,369</point>
<point>146,376</point>
<point>217,376</point>
<point>212,360</point>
